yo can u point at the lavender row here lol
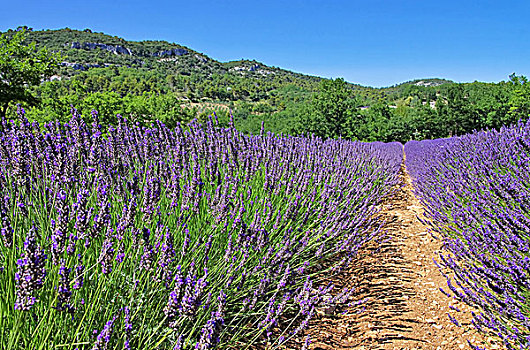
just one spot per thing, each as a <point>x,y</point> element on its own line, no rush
<point>194,237</point>
<point>476,193</point>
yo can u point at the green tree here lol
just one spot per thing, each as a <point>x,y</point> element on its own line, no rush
<point>108,104</point>
<point>331,108</point>
<point>375,123</point>
<point>21,66</point>
<point>520,98</point>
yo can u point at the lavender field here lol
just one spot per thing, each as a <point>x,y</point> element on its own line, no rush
<point>202,237</point>
<point>476,193</point>
<point>191,238</point>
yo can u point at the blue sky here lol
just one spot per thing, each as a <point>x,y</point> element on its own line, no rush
<point>371,42</point>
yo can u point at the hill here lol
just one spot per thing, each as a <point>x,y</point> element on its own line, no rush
<point>134,67</point>
<point>158,80</point>
<point>175,67</point>
<point>182,69</point>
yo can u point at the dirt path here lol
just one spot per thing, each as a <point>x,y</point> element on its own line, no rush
<point>404,307</point>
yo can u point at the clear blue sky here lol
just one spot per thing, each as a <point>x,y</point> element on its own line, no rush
<point>371,42</point>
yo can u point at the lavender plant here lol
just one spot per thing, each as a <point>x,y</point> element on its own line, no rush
<point>476,191</point>
<point>193,237</point>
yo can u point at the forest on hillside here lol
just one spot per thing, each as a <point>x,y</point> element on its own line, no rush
<point>155,80</point>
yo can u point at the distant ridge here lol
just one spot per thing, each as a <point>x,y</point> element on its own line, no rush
<point>85,49</point>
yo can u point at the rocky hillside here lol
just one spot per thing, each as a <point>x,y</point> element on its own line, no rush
<point>83,50</point>
<point>183,70</point>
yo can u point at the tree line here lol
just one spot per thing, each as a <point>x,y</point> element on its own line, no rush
<point>453,109</point>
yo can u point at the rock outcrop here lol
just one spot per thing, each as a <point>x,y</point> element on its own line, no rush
<point>122,50</point>
<point>171,52</point>
<point>116,49</point>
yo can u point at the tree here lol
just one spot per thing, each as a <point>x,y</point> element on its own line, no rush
<point>374,123</point>
<point>21,66</point>
<point>455,110</point>
<point>520,98</point>
<point>331,108</point>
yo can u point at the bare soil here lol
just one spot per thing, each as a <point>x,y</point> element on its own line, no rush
<point>404,307</point>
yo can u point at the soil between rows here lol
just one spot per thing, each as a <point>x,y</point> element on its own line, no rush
<point>400,284</point>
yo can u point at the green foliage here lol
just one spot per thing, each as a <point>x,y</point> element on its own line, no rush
<point>146,84</point>
<point>445,110</point>
<point>375,123</point>
<point>21,65</point>
<point>330,109</point>
<point>520,99</point>
<point>333,106</point>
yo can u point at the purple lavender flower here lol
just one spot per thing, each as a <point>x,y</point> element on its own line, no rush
<point>83,213</point>
<point>173,306</point>
<point>106,256</point>
<point>63,290</point>
<point>306,343</point>
<point>6,229</point>
<point>179,343</point>
<point>146,261</point>
<point>30,273</point>
<point>167,255</point>
<point>127,327</point>
<point>210,333</point>
<point>59,235</point>
<point>193,294</point>
<point>454,320</point>
<point>79,271</point>
<point>104,337</point>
